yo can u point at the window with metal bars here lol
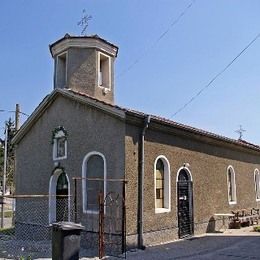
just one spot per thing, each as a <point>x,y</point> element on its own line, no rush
<point>159,184</point>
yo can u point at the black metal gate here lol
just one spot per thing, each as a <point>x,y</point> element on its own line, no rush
<point>185,205</point>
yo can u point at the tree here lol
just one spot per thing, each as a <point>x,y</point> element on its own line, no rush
<point>1,160</point>
<point>10,155</point>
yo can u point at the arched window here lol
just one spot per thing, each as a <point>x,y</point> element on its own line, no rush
<point>231,183</point>
<point>162,184</point>
<point>94,181</point>
<point>257,184</point>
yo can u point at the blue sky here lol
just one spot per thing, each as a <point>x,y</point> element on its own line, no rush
<point>169,72</point>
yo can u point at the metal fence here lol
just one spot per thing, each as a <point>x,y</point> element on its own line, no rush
<point>104,232</point>
<point>26,232</point>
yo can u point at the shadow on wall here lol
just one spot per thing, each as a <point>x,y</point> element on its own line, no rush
<point>211,228</point>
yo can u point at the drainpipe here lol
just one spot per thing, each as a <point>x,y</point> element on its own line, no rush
<point>141,186</point>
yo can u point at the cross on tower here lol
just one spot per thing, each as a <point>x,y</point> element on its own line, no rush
<point>240,132</point>
<point>84,22</point>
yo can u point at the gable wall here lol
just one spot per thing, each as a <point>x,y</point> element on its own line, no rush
<point>88,130</point>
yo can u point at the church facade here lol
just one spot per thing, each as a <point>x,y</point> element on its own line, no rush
<point>177,177</point>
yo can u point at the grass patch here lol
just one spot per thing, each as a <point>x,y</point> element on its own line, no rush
<point>8,214</point>
<point>7,231</point>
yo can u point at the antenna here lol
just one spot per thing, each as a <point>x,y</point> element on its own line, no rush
<point>84,22</point>
<point>240,132</point>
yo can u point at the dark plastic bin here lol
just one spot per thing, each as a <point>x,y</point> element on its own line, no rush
<point>66,240</point>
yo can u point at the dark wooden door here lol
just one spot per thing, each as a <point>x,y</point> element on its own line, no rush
<point>185,205</point>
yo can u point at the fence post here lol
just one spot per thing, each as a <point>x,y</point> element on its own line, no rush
<point>101,226</point>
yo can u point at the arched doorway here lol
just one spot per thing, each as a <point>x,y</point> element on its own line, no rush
<point>185,203</point>
<point>62,198</point>
<point>59,193</point>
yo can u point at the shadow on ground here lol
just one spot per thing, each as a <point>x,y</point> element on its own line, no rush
<point>217,247</point>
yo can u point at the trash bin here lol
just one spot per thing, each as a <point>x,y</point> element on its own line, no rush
<point>66,240</point>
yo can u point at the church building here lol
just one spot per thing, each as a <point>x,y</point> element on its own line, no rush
<point>176,177</point>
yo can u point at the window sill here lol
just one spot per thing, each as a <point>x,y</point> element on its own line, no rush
<point>162,210</point>
<point>59,158</point>
<point>91,212</point>
<point>257,200</point>
<point>105,88</point>
<point>232,202</point>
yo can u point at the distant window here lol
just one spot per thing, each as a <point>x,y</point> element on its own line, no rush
<point>162,185</point>
<point>104,71</point>
<point>59,140</point>
<point>257,184</point>
<point>231,182</point>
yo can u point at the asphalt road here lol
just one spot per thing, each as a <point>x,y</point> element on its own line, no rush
<point>209,247</point>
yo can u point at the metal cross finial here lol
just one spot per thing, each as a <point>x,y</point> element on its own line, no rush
<point>84,22</point>
<point>240,132</point>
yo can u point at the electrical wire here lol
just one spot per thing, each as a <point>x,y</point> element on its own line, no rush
<point>216,76</point>
<point>162,35</point>
<point>11,111</point>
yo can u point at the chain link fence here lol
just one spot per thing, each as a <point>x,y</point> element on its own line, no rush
<point>25,231</point>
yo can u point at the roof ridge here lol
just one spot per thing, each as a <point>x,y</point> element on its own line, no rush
<point>174,123</point>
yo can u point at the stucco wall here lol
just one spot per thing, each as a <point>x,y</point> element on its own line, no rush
<point>208,165</point>
<point>131,171</point>
<point>88,130</point>
<point>83,72</point>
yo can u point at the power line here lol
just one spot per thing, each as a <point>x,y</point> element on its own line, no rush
<point>12,111</point>
<point>215,77</point>
<point>145,52</point>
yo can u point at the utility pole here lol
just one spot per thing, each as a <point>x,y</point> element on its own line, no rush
<point>4,176</point>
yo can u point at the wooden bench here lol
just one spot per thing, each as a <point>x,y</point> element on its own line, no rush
<point>244,217</point>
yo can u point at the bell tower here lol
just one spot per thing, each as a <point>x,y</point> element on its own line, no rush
<point>85,64</point>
